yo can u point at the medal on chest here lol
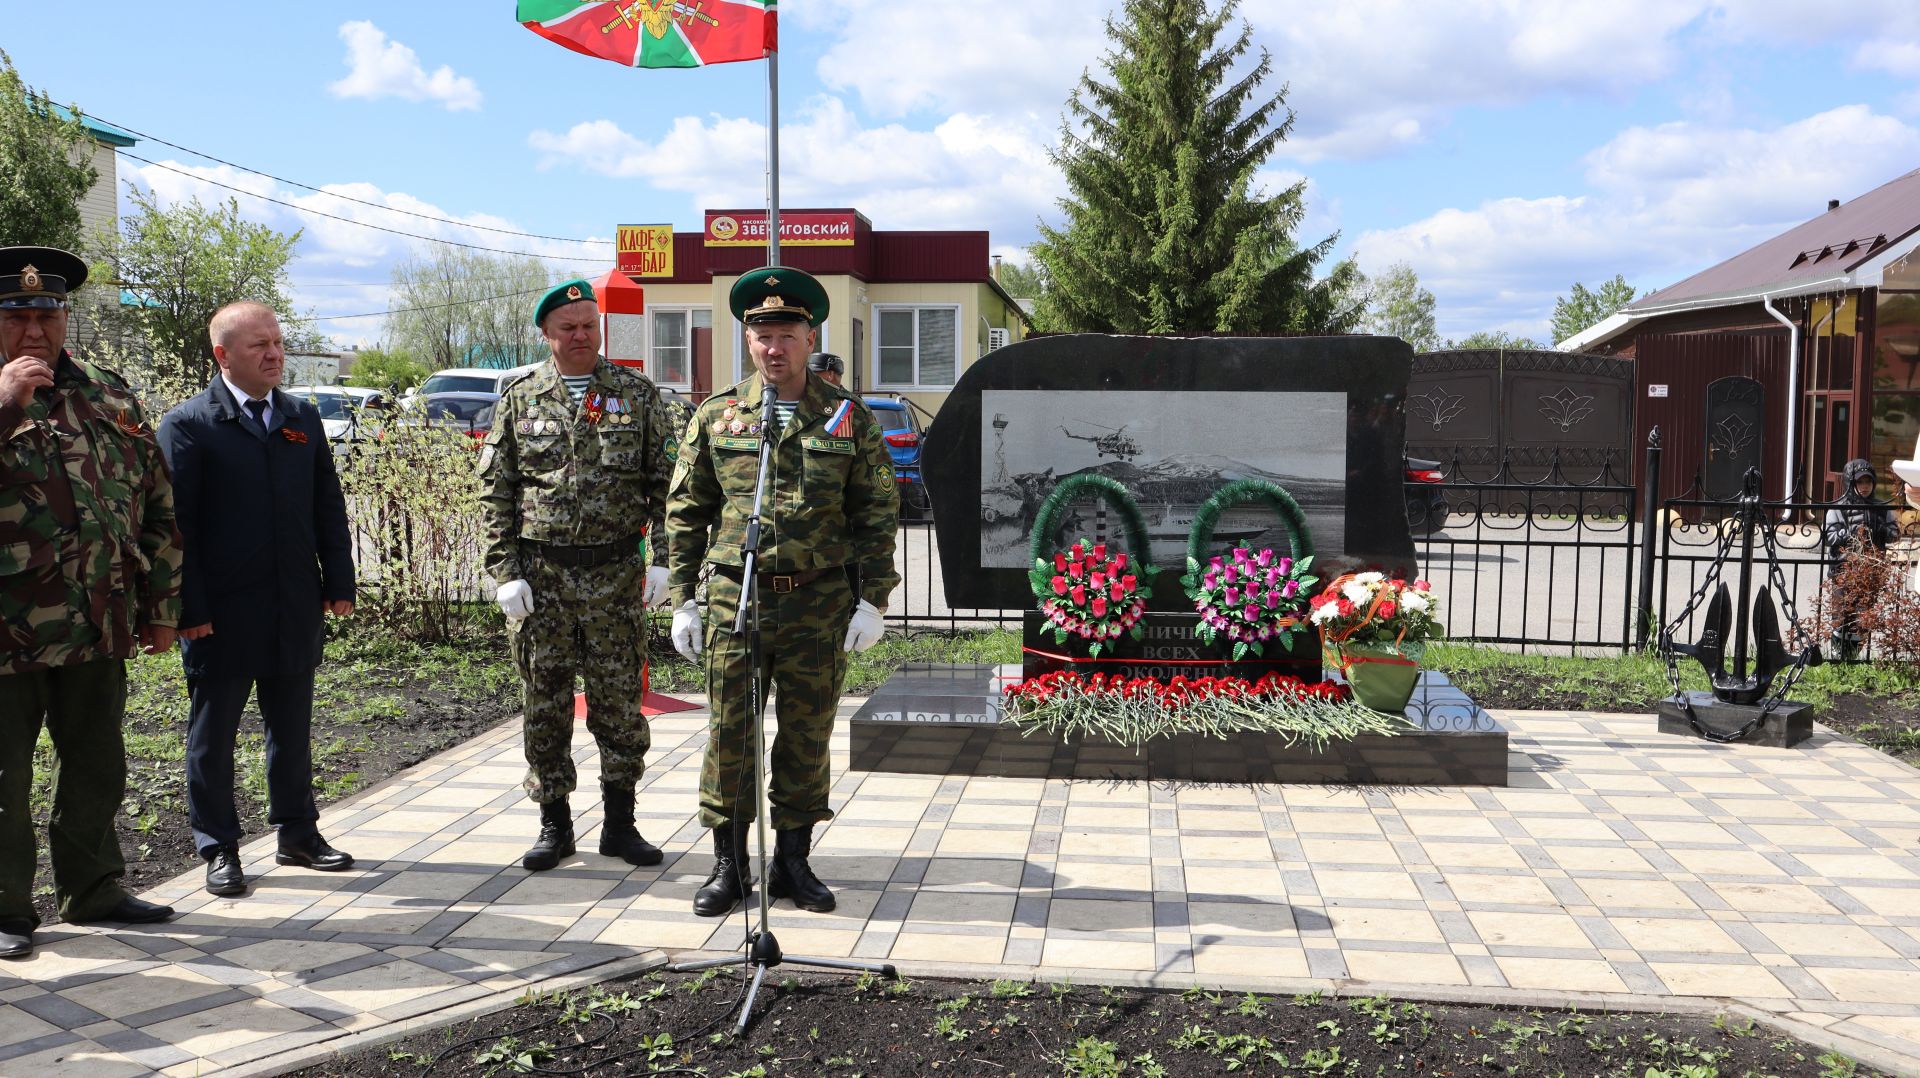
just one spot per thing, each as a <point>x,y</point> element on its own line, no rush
<point>595,405</point>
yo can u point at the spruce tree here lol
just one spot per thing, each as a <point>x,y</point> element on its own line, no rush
<point>1165,230</point>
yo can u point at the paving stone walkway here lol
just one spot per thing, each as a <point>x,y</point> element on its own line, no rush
<point>1620,867</point>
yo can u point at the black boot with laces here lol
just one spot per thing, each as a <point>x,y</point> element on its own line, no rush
<point>556,838</point>
<point>791,876</point>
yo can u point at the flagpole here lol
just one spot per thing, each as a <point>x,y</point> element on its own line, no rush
<point>773,157</point>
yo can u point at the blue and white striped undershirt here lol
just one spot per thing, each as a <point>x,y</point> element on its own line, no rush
<point>577,385</point>
<point>784,411</point>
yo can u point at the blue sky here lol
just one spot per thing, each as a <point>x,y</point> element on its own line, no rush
<point>1504,148</point>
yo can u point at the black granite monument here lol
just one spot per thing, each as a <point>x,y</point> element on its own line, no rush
<point>1173,420</point>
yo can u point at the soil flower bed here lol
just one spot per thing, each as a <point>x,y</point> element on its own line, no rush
<point>812,1025</point>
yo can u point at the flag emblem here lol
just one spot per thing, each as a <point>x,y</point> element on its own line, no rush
<point>840,424</point>
<point>656,33</point>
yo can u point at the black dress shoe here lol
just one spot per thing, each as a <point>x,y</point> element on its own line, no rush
<point>16,939</point>
<point>224,877</point>
<point>314,853</point>
<point>131,911</point>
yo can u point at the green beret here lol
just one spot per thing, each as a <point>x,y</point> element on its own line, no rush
<point>778,294</point>
<point>559,296</point>
<point>38,277</point>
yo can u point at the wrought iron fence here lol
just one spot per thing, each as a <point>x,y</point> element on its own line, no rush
<point>1550,563</point>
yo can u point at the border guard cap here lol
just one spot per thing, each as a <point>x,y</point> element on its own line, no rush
<point>560,295</point>
<point>778,294</point>
<point>38,277</point>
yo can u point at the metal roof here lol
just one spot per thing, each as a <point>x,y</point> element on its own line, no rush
<point>1833,244</point>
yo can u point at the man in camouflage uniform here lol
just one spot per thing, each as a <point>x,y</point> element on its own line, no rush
<point>827,536</point>
<point>89,570</point>
<point>576,464</point>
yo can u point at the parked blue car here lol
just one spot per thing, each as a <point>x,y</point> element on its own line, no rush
<point>904,436</point>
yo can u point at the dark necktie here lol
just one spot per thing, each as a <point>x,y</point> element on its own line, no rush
<point>259,410</point>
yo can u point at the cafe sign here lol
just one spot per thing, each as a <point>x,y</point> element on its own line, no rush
<point>644,250</point>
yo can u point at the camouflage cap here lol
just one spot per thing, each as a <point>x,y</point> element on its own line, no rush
<point>560,295</point>
<point>778,294</point>
<point>38,276</point>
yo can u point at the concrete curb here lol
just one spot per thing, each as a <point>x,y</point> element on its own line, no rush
<point>349,1043</point>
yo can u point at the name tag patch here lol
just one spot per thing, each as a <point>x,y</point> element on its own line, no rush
<point>829,445</point>
<point>751,445</point>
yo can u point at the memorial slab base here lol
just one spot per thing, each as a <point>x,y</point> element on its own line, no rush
<point>948,719</point>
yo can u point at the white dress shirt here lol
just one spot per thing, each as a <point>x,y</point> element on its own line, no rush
<point>240,397</point>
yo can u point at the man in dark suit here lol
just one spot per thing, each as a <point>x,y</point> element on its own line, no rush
<point>264,527</point>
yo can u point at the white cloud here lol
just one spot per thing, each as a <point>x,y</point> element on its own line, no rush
<point>966,172</point>
<point>377,68</point>
<point>341,267</point>
<point>1008,62</point>
<point>1668,201</point>
<point>1369,79</point>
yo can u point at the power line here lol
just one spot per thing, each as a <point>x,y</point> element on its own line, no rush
<point>348,198</point>
<point>345,220</point>
<point>411,310</point>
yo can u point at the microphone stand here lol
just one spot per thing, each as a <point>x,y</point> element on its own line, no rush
<point>762,950</point>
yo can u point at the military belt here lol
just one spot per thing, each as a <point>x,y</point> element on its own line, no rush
<point>586,557</point>
<point>780,583</point>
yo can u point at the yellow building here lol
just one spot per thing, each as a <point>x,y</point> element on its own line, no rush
<point>909,310</point>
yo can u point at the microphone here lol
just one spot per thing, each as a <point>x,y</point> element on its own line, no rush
<point>767,397</point>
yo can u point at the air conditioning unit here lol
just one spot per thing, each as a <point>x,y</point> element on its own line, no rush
<point>997,338</point>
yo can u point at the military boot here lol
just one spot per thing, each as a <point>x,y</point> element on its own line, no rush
<point>791,877</point>
<point>618,837</point>
<point>731,882</point>
<point>556,838</point>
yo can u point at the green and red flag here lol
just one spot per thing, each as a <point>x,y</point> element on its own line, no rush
<point>656,33</point>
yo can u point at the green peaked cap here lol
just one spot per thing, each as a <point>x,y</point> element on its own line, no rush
<point>778,294</point>
<point>560,295</point>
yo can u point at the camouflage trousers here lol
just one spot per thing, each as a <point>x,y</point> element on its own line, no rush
<point>803,667</point>
<point>586,622</point>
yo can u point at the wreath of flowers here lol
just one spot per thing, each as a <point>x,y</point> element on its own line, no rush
<point>1249,597</point>
<point>1088,590</point>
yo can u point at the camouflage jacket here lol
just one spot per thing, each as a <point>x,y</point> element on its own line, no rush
<point>551,472</point>
<point>833,500</point>
<point>88,548</point>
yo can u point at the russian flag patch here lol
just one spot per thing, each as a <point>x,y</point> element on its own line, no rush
<point>840,424</point>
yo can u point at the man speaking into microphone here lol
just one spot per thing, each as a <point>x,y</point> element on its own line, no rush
<point>825,572</point>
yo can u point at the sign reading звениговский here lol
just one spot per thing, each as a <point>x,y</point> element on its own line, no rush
<point>749,229</point>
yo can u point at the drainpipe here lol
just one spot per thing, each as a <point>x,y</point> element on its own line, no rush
<point>1793,391</point>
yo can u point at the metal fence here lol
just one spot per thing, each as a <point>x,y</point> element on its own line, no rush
<point>1545,564</point>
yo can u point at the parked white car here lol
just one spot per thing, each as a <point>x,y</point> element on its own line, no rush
<point>343,409</point>
<point>464,380</point>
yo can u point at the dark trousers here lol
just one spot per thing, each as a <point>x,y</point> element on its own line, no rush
<point>286,709</point>
<point>82,705</point>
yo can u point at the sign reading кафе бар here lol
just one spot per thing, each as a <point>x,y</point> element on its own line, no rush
<point>644,250</point>
<point>796,229</point>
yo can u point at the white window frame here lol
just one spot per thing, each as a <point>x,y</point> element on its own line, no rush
<point>874,337</point>
<point>653,371</point>
<point>743,365</point>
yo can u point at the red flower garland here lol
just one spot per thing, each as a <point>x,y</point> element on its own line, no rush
<point>1179,690</point>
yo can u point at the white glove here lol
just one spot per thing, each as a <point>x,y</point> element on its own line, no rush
<point>515,598</point>
<point>866,628</point>
<point>655,591</point>
<point>686,631</point>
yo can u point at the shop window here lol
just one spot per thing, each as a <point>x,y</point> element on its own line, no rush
<point>916,346</point>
